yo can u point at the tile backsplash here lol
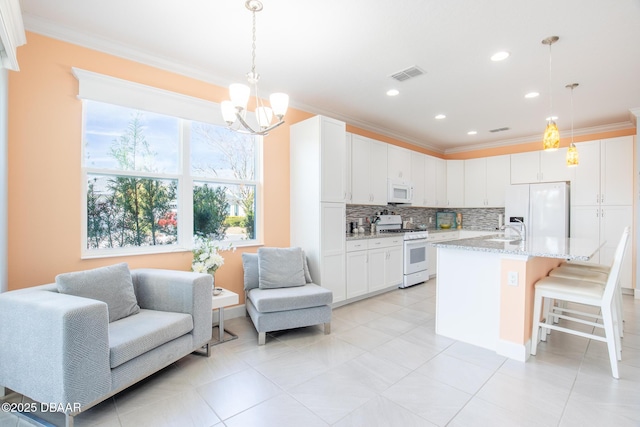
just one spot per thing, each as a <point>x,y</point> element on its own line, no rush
<point>472,218</point>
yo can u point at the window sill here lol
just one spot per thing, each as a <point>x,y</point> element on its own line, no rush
<point>158,251</point>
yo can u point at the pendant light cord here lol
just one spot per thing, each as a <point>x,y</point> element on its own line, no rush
<point>572,87</point>
<point>550,95</point>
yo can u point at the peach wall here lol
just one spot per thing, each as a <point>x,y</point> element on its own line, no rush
<point>44,195</point>
<point>389,140</point>
<point>514,325</point>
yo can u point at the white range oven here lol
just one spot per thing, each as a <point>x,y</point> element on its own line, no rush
<point>416,263</point>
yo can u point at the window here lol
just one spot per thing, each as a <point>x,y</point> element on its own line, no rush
<point>154,178</point>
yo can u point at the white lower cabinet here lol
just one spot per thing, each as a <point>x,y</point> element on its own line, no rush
<point>433,251</point>
<point>357,272</point>
<point>605,224</point>
<point>394,263</point>
<point>373,265</point>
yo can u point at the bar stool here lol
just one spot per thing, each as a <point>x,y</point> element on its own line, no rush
<point>596,273</point>
<point>581,292</point>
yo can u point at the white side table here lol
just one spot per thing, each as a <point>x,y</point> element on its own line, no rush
<point>225,299</point>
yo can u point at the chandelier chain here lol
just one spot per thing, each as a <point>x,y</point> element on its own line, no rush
<point>253,46</point>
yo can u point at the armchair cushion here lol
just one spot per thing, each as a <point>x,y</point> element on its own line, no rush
<point>295,298</point>
<point>135,335</point>
<point>112,285</point>
<point>280,268</point>
<point>251,271</point>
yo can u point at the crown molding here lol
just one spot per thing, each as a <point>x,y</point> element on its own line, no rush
<point>50,29</point>
<point>12,33</point>
<point>369,127</point>
<point>634,114</point>
<point>533,138</point>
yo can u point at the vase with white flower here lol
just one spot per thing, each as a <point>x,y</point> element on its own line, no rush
<point>206,256</point>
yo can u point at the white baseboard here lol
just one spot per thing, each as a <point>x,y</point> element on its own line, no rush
<point>230,313</point>
<point>519,352</point>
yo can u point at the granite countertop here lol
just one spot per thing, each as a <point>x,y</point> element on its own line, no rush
<point>367,235</point>
<point>546,247</point>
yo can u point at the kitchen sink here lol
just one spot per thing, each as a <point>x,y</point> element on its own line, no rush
<point>503,239</point>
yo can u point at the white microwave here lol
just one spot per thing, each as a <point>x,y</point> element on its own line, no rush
<point>399,191</point>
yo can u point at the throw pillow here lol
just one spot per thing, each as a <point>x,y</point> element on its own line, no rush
<point>280,268</point>
<point>305,264</point>
<point>111,284</point>
<point>251,272</point>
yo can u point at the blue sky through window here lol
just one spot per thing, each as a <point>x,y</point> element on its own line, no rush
<point>105,123</point>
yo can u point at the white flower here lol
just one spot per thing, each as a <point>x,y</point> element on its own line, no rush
<point>199,267</point>
<point>206,256</point>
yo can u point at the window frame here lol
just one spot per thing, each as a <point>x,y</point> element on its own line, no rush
<point>187,109</point>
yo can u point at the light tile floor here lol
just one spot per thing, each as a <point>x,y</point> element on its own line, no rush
<point>383,365</point>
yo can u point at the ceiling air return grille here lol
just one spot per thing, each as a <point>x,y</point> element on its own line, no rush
<point>408,73</point>
<point>499,130</point>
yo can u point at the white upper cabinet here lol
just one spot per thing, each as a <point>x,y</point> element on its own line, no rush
<point>430,190</point>
<point>378,173</point>
<point>525,167</point>
<point>553,166</point>
<point>318,159</point>
<point>475,183</point>
<point>368,171</point>
<point>585,182</point>
<point>485,181</point>
<point>498,179</point>
<point>435,185</point>
<point>418,179</point>
<point>616,171</point>
<point>455,183</point>
<point>399,163</point>
<point>540,166</point>
<point>441,182</point>
<point>347,169</point>
<point>605,173</point>
<point>333,160</point>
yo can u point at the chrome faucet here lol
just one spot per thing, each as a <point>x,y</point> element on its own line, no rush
<point>522,233</point>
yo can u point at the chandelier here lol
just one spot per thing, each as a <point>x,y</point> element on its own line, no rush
<point>551,139</point>
<point>572,152</point>
<point>234,111</point>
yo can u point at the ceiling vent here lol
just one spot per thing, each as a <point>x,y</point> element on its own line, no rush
<point>407,74</point>
<point>498,130</point>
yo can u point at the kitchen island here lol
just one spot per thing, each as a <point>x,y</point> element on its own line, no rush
<point>485,287</point>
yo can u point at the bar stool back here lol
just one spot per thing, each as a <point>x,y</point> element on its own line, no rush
<point>586,293</point>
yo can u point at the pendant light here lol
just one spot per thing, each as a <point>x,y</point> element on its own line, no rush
<point>551,139</point>
<point>234,111</point>
<point>572,152</point>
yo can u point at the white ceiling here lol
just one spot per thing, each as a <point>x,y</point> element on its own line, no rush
<point>335,57</point>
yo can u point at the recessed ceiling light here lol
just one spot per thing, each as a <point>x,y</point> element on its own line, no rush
<point>532,95</point>
<point>393,92</point>
<point>500,56</point>
<point>552,118</point>
<point>472,132</point>
<point>440,117</point>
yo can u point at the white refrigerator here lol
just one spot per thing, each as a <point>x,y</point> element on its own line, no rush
<point>543,208</point>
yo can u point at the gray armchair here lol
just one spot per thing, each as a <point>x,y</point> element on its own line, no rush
<point>280,294</point>
<point>60,348</point>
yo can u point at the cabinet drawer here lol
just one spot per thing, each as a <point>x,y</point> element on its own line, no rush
<point>385,242</point>
<point>357,245</point>
<point>439,237</point>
